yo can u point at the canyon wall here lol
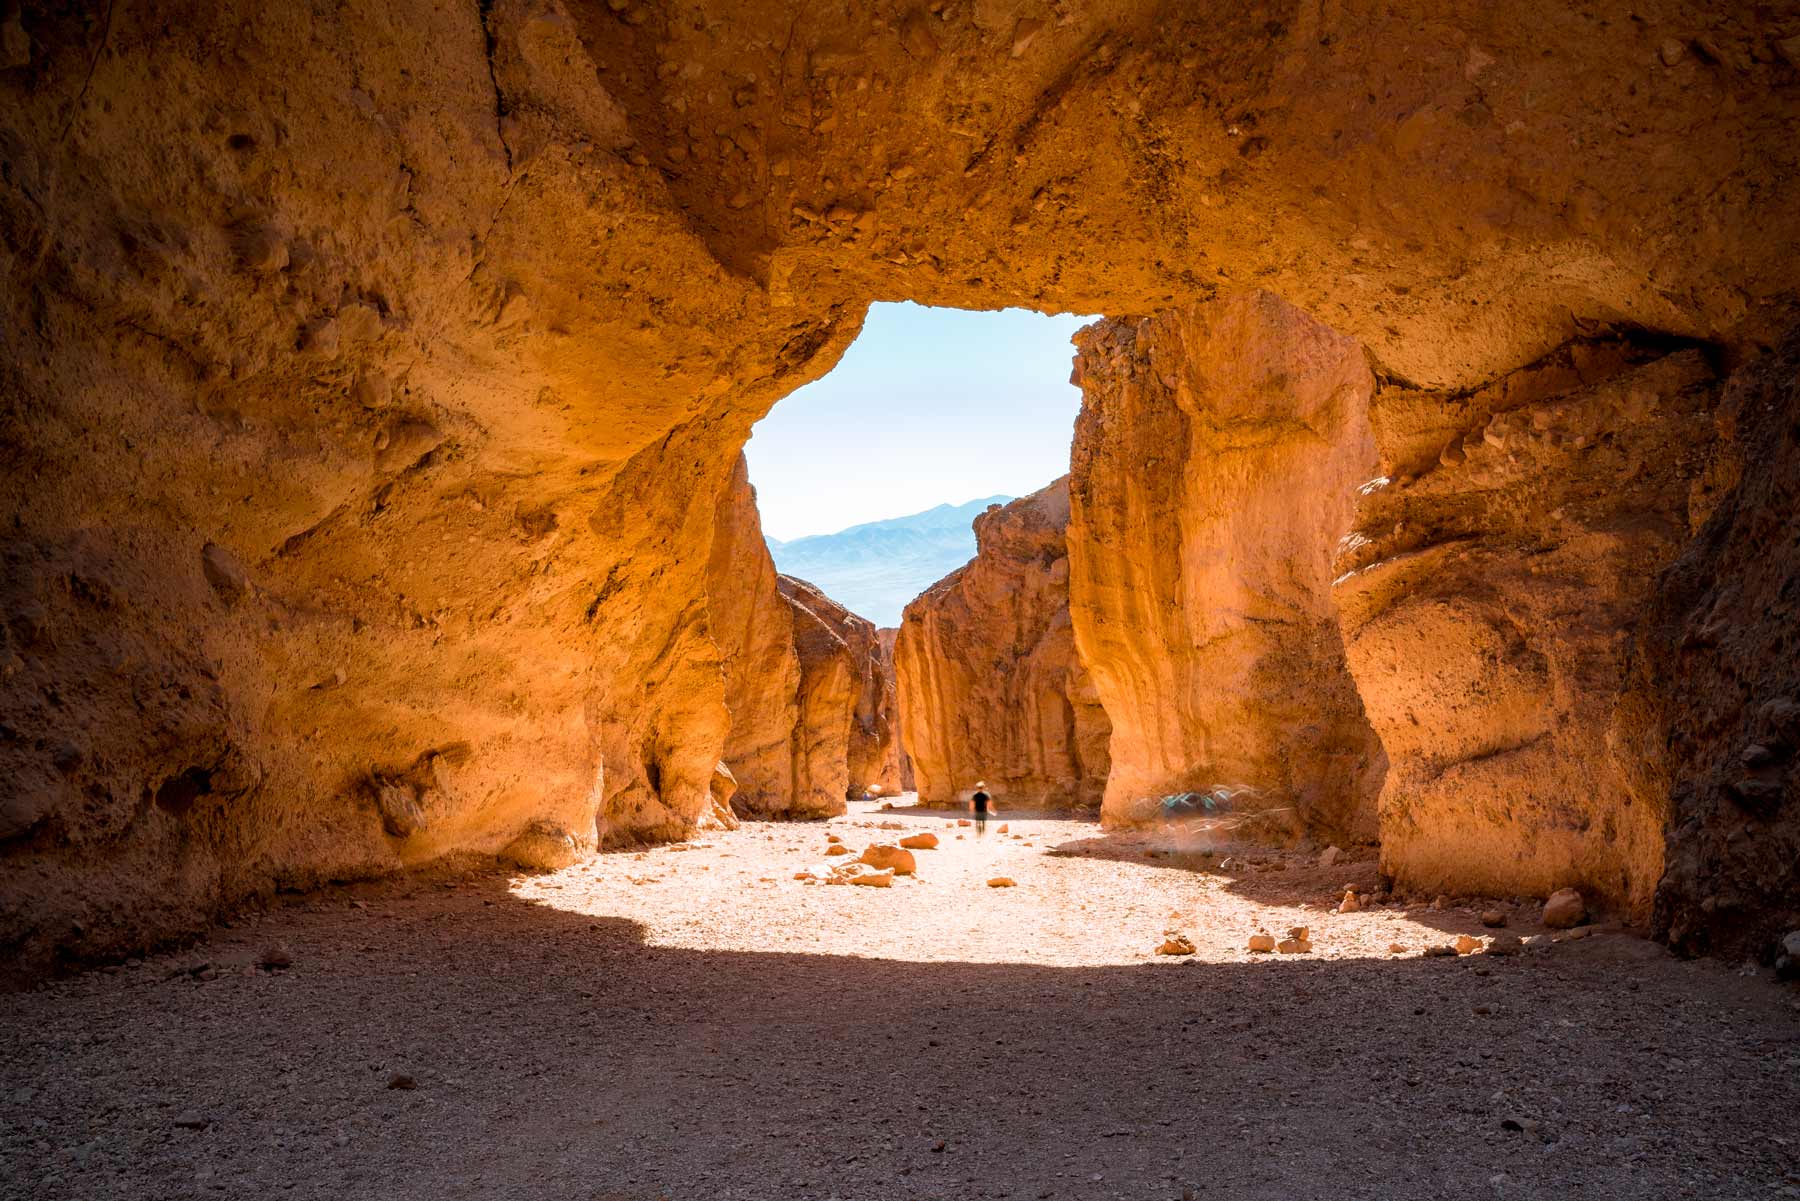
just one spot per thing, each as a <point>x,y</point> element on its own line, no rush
<point>1721,680</point>
<point>990,687</point>
<point>1216,463</point>
<point>844,738</point>
<point>753,625</point>
<point>1491,599</point>
<point>807,687</point>
<point>369,374</point>
<point>891,685</point>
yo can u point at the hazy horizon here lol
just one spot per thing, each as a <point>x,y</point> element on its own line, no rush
<point>929,406</point>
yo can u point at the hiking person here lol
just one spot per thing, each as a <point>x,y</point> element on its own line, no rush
<point>979,803</point>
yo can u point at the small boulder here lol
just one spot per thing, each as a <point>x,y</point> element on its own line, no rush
<point>1349,904</point>
<point>1493,919</point>
<point>1262,943</point>
<point>888,857</point>
<point>1002,882</point>
<point>1565,909</point>
<point>1299,933</point>
<point>1395,948</point>
<point>920,842</point>
<point>276,956</point>
<point>1330,855</point>
<point>1504,944</point>
<point>1176,944</point>
<point>1294,946</point>
<point>832,838</point>
<point>1467,944</point>
<point>1537,942</point>
<point>876,879</point>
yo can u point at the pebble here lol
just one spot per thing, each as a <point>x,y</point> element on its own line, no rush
<point>402,1081</point>
<point>1262,942</point>
<point>1493,919</point>
<point>191,1121</point>
<point>920,842</point>
<point>837,848</point>
<point>276,956</point>
<point>1294,946</point>
<point>1176,944</point>
<point>1002,882</point>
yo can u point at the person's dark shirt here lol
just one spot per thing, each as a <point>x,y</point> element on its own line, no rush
<point>981,802</point>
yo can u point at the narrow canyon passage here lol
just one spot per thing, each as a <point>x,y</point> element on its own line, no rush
<point>693,1022</point>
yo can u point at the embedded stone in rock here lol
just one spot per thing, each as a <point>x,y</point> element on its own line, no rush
<point>544,847</point>
<point>223,571</point>
<point>1564,909</point>
<point>920,842</point>
<point>1035,732</point>
<point>893,858</point>
<point>1215,466</point>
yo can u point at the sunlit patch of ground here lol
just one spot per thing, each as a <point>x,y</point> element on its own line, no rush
<point>1084,897</point>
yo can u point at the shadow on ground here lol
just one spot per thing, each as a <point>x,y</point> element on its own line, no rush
<point>558,1056</point>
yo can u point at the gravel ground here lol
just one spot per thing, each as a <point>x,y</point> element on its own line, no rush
<point>693,1023</point>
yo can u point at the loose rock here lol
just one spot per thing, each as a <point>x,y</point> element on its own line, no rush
<point>1493,918</point>
<point>1176,944</point>
<point>1002,882</point>
<point>1564,909</point>
<point>1262,942</point>
<point>891,858</point>
<point>1467,944</point>
<point>920,842</point>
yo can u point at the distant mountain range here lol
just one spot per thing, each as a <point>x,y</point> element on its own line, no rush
<point>874,569</point>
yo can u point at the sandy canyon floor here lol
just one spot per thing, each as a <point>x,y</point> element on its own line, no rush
<point>693,1023</point>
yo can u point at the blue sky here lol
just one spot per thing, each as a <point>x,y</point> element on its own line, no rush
<point>929,406</point>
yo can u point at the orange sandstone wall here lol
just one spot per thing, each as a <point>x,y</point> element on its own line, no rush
<point>1215,467</point>
<point>990,687</point>
<point>1493,596</point>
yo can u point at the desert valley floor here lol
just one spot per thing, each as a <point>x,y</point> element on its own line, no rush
<point>694,1022</point>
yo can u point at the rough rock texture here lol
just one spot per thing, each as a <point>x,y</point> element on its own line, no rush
<point>1215,467</point>
<point>807,687</point>
<point>891,691</point>
<point>1490,600</point>
<point>990,687</point>
<point>844,737</point>
<point>1724,662</point>
<point>445,323</point>
<point>753,625</point>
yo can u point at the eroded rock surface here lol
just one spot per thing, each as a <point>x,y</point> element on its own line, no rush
<point>844,738</point>
<point>1724,685</point>
<point>1215,467</point>
<point>448,343</point>
<point>1492,595</point>
<point>990,687</point>
<point>753,625</point>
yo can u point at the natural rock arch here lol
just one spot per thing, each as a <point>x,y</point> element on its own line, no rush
<point>371,377</point>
